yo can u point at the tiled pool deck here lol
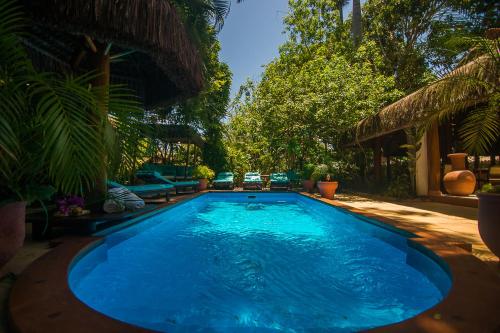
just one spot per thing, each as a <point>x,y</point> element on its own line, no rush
<point>445,224</point>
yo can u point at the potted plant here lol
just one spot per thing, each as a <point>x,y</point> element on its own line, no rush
<point>322,176</point>
<point>14,198</point>
<point>203,173</point>
<point>488,213</point>
<point>307,181</point>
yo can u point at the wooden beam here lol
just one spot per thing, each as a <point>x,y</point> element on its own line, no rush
<point>377,159</point>
<point>389,168</point>
<point>434,161</point>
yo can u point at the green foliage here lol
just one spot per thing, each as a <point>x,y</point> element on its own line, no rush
<point>316,89</point>
<point>320,173</point>
<point>308,171</point>
<point>203,171</point>
<point>51,126</point>
<point>400,187</point>
<point>489,188</point>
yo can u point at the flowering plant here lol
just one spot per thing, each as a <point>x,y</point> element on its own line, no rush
<point>66,205</point>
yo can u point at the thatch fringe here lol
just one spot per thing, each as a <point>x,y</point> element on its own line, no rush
<point>412,109</point>
<point>152,27</point>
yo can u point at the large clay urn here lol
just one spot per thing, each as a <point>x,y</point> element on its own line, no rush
<point>489,220</point>
<point>459,181</point>
<point>12,229</point>
<point>308,185</point>
<point>327,189</point>
<point>203,184</point>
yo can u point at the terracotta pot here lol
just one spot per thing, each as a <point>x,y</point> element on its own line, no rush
<point>327,189</point>
<point>459,181</point>
<point>457,161</point>
<point>488,220</point>
<point>203,184</point>
<point>308,185</point>
<point>12,229</point>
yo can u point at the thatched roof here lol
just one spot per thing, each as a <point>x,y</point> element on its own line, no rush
<point>160,59</point>
<point>177,133</point>
<point>412,109</point>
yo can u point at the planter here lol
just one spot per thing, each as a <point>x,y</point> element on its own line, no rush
<point>12,229</point>
<point>459,181</point>
<point>488,221</point>
<point>308,185</point>
<point>203,184</point>
<point>327,189</point>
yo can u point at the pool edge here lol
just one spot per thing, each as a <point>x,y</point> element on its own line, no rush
<point>470,305</point>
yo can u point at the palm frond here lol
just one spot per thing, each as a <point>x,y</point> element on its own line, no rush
<point>71,121</point>
<point>481,129</point>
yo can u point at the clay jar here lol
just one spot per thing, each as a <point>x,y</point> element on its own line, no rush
<point>327,189</point>
<point>488,221</point>
<point>12,226</point>
<point>203,185</point>
<point>459,181</point>
<point>308,185</point>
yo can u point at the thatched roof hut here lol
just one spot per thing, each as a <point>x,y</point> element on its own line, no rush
<point>148,44</point>
<point>413,109</point>
<point>170,133</point>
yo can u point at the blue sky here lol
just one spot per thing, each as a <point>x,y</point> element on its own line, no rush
<point>251,36</point>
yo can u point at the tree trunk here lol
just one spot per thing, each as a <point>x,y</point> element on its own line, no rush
<point>356,22</point>
<point>341,11</point>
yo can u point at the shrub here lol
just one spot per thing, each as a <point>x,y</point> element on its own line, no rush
<point>308,171</point>
<point>489,188</point>
<point>320,172</point>
<point>202,171</point>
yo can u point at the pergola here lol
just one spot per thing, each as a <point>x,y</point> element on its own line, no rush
<point>384,132</point>
<point>141,43</point>
<point>171,134</point>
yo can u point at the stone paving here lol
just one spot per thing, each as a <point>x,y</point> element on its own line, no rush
<point>456,222</point>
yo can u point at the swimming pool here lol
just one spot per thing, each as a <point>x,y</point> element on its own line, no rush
<point>226,262</point>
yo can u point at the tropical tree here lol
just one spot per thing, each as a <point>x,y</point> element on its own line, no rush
<point>473,88</point>
<point>356,22</point>
<point>51,130</point>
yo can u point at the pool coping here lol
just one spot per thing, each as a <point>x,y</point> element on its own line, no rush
<point>41,299</point>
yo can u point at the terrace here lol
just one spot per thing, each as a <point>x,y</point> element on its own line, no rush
<point>136,197</point>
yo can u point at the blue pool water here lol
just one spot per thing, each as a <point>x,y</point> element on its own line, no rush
<point>224,262</point>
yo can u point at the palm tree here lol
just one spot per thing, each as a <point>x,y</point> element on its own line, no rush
<point>51,129</point>
<point>473,88</point>
<point>356,22</point>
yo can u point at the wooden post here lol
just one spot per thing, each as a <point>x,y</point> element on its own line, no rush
<point>101,60</point>
<point>389,170</point>
<point>187,160</point>
<point>434,161</point>
<point>377,160</point>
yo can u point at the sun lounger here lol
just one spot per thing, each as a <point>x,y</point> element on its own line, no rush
<point>145,191</point>
<point>156,178</point>
<point>224,180</point>
<point>279,180</point>
<point>252,180</point>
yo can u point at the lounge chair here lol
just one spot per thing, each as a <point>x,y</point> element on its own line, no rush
<point>279,180</point>
<point>294,178</point>
<point>252,180</point>
<point>145,191</point>
<point>156,178</point>
<point>224,180</point>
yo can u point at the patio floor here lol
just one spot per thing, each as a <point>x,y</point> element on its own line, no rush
<point>456,223</point>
